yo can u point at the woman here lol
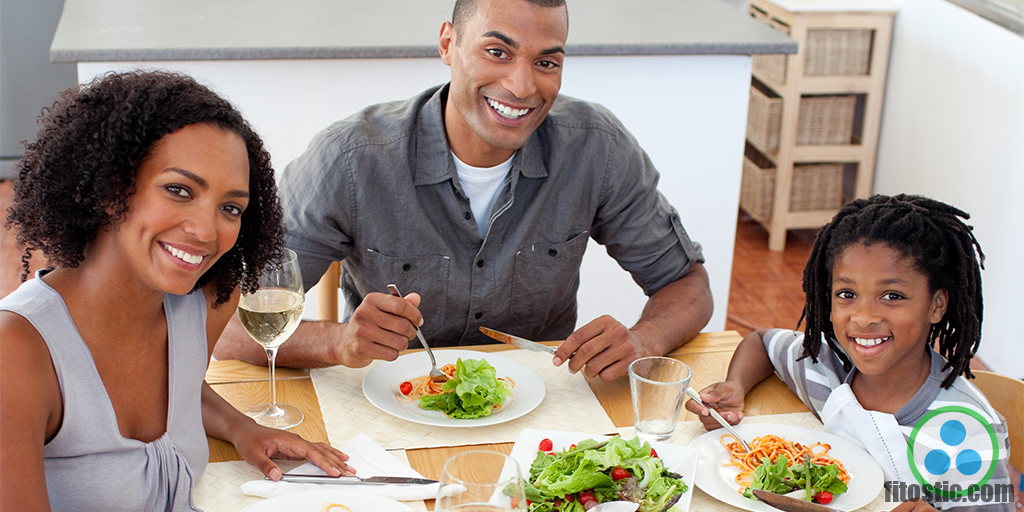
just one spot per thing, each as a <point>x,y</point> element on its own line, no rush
<point>154,202</point>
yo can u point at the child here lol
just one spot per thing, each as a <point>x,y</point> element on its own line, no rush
<point>155,202</point>
<point>887,278</point>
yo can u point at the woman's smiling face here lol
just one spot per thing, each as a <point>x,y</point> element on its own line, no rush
<point>186,211</point>
<point>882,309</point>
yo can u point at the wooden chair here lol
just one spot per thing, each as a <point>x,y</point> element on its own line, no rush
<point>327,293</point>
<point>1006,395</point>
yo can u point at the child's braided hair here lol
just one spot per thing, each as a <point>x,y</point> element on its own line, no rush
<point>942,247</point>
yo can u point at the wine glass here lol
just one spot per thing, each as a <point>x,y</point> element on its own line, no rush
<point>481,481</point>
<point>270,316</point>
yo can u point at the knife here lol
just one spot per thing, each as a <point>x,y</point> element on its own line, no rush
<point>327,479</point>
<point>790,504</point>
<point>522,343</point>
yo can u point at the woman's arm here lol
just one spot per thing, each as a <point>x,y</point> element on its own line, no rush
<point>30,414</point>
<point>255,443</point>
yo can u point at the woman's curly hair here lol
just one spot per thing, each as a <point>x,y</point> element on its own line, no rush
<point>942,247</point>
<point>78,174</point>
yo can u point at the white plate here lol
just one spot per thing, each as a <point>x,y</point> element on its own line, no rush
<point>719,480</point>
<point>678,459</point>
<point>315,501</point>
<point>381,387</point>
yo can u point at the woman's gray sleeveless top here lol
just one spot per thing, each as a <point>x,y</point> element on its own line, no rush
<point>89,465</point>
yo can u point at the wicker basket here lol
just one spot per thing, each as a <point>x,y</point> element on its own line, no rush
<point>814,187</point>
<point>838,52</point>
<point>824,120</point>
<point>773,66</point>
<point>764,117</point>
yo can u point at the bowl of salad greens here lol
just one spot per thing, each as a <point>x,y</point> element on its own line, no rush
<point>572,471</point>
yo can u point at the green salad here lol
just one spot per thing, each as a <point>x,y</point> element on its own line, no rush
<point>594,472</point>
<point>823,485</point>
<point>472,391</point>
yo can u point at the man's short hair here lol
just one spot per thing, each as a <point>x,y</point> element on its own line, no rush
<point>464,9</point>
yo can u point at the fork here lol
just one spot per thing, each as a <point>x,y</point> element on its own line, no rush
<point>436,375</point>
<point>718,417</point>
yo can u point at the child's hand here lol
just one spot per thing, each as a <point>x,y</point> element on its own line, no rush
<point>725,397</point>
<point>914,505</point>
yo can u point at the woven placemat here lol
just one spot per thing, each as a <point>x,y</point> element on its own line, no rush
<point>217,490</point>
<point>347,412</point>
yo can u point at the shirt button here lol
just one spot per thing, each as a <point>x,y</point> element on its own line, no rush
<point>478,315</point>
<point>479,263</point>
<point>553,252</point>
<point>467,215</point>
<point>407,267</point>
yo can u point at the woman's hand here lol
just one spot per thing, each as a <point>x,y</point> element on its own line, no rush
<point>725,397</point>
<point>257,444</point>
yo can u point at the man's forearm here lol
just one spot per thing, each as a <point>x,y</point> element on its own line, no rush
<point>313,345</point>
<point>676,313</point>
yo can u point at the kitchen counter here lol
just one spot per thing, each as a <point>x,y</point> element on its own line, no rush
<point>133,30</point>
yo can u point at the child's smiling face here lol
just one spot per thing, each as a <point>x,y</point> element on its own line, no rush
<point>882,309</point>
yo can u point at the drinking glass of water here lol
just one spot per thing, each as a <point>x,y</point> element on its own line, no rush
<point>481,481</point>
<point>657,386</point>
<point>270,315</point>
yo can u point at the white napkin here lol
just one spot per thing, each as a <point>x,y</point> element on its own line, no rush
<point>368,459</point>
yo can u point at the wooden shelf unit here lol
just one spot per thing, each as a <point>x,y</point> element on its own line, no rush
<point>797,17</point>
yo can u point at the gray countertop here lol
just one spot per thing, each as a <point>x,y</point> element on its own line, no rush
<point>165,30</point>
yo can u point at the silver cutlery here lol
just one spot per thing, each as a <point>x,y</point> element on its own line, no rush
<point>718,417</point>
<point>436,375</point>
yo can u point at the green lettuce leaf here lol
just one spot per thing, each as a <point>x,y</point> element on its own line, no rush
<point>472,393</point>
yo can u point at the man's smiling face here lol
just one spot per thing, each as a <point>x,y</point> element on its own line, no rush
<point>506,62</point>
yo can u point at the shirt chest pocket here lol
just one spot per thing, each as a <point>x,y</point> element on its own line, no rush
<point>545,279</point>
<point>425,275</point>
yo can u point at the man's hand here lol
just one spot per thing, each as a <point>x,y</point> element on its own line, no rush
<point>672,316</point>
<point>380,328</point>
<point>603,347</point>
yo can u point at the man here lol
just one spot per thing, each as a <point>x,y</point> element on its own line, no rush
<point>479,196</point>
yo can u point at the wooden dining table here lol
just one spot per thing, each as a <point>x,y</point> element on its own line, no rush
<point>708,356</point>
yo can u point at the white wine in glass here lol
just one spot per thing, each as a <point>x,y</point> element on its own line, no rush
<point>481,481</point>
<point>270,315</point>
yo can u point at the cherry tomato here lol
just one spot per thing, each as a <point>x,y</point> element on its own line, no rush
<point>569,498</point>
<point>653,453</point>
<point>573,447</point>
<point>515,501</point>
<point>405,388</point>
<point>545,445</point>
<point>585,497</point>
<point>823,497</point>
<point>619,474</point>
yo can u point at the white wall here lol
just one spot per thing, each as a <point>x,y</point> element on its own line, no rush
<point>953,129</point>
<point>688,112</point>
